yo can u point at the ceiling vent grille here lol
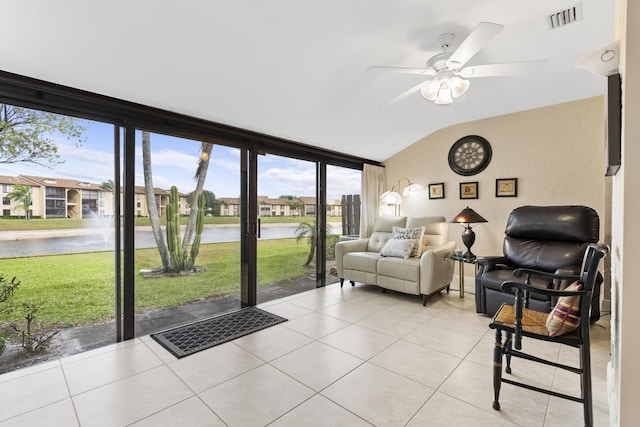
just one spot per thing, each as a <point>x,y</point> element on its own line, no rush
<point>565,16</point>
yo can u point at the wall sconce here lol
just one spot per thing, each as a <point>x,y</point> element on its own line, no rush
<point>468,216</point>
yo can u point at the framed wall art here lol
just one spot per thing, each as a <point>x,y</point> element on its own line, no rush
<point>507,187</point>
<point>469,190</point>
<point>436,191</point>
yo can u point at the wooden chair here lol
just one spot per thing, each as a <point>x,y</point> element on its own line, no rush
<point>519,321</point>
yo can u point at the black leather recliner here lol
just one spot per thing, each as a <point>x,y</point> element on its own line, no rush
<point>547,238</point>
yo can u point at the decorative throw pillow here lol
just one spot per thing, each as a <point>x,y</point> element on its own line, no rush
<point>398,248</point>
<point>409,233</point>
<point>565,316</point>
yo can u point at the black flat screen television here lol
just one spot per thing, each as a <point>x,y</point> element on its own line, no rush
<point>614,124</point>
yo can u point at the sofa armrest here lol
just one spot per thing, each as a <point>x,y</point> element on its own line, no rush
<point>343,248</point>
<point>436,269</point>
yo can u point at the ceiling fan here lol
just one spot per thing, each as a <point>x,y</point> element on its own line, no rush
<point>447,73</point>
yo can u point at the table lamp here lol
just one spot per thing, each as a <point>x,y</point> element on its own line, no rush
<point>468,216</point>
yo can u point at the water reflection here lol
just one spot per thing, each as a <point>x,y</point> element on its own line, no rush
<point>143,239</point>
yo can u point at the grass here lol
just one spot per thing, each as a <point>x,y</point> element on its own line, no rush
<point>67,223</point>
<point>78,289</point>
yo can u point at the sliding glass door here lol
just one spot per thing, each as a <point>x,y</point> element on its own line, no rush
<point>287,226</point>
<point>187,256</point>
<point>58,236</point>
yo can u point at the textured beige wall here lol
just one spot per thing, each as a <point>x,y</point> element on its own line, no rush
<point>557,154</point>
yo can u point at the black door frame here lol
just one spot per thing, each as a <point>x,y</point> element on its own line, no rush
<point>38,94</point>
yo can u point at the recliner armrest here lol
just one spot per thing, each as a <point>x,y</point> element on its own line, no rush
<point>343,248</point>
<point>488,263</point>
<point>436,269</point>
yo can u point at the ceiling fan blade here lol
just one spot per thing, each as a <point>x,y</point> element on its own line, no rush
<point>507,69</point>
<point>405,94</point>
<point>482,34</point>
<point>404,70</point>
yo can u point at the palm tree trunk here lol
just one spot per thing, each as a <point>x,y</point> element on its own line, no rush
<point>154,217</point>
<point>312,252</point>
<point>201,175</point>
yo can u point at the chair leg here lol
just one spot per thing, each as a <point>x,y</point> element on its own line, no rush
<point>424,300</point>
<point>509,346</point>
<point>341,282</point>
<point>497,369</point>
<point>353,283</point>
<point>585,382</point>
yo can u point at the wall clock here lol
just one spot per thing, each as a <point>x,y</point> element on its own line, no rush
<point>469,155</point>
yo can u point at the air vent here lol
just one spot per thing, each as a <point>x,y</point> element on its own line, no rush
<point>565,16</point>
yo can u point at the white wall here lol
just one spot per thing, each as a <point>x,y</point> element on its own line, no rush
<point>557,154</point>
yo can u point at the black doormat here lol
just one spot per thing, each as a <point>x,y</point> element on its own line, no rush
<point>188,339</point>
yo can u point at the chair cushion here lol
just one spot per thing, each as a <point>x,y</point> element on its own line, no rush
<point>565,317</point>
<point>532,321</point>
<point>382,231</point>
<point>361,261</point>
<point>401,248</point>
<point>403,269</point>
<point>399,233</point>
<point>436,230</point>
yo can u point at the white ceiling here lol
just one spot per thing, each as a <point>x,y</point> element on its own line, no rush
<point>297,69</point>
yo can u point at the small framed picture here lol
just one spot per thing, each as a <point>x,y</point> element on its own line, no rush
<point>469,190</point>
<point>436,191</point>
<point>507,187</point>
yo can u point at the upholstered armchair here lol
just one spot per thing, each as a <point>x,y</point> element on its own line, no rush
<point>552,239</point>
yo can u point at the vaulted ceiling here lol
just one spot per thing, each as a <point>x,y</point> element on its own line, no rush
<point>300,69</point>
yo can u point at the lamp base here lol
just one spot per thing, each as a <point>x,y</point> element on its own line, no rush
<point>468,238</point>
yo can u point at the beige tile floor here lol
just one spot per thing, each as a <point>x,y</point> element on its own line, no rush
<point>346,357</point>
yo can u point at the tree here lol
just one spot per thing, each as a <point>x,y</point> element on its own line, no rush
<point>211,203</point>
<point>154,216</point>
<point>309,230</point>
<point>22,194</point>
<point>25,135</point>
<point>201,176</point>
<point>296,206</point>
<point>108,185</point>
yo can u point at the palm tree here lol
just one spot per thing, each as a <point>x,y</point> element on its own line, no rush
<point>200,175</point>
<point>22,194</point>
<point>309,230</point>
<point>154,216</point>
<point>108,185</point>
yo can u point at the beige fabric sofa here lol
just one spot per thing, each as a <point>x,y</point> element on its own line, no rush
<point>429,273</point>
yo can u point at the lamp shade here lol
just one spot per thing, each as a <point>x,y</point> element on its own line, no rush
<point>391,197</point>
<point>412,189</point>
<point>468,216</point>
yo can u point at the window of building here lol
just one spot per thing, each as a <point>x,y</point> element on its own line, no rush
<point>6,188</point>
<point>6,212</point>
<point>89,202</point>
<point>6,201</point>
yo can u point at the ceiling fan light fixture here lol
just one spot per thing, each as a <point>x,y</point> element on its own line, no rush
<point>458,86</point>
<point>444,95</point>
<point>430,91</point>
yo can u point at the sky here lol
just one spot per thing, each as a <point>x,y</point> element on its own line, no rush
<point>175,160</point>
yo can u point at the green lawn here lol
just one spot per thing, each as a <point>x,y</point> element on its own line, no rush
<point>66,223</point>
<point>78,289</point>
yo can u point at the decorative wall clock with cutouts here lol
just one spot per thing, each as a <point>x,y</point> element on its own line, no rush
<point>470,155</point>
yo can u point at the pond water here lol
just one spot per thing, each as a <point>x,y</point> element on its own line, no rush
<point>143,239</point>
